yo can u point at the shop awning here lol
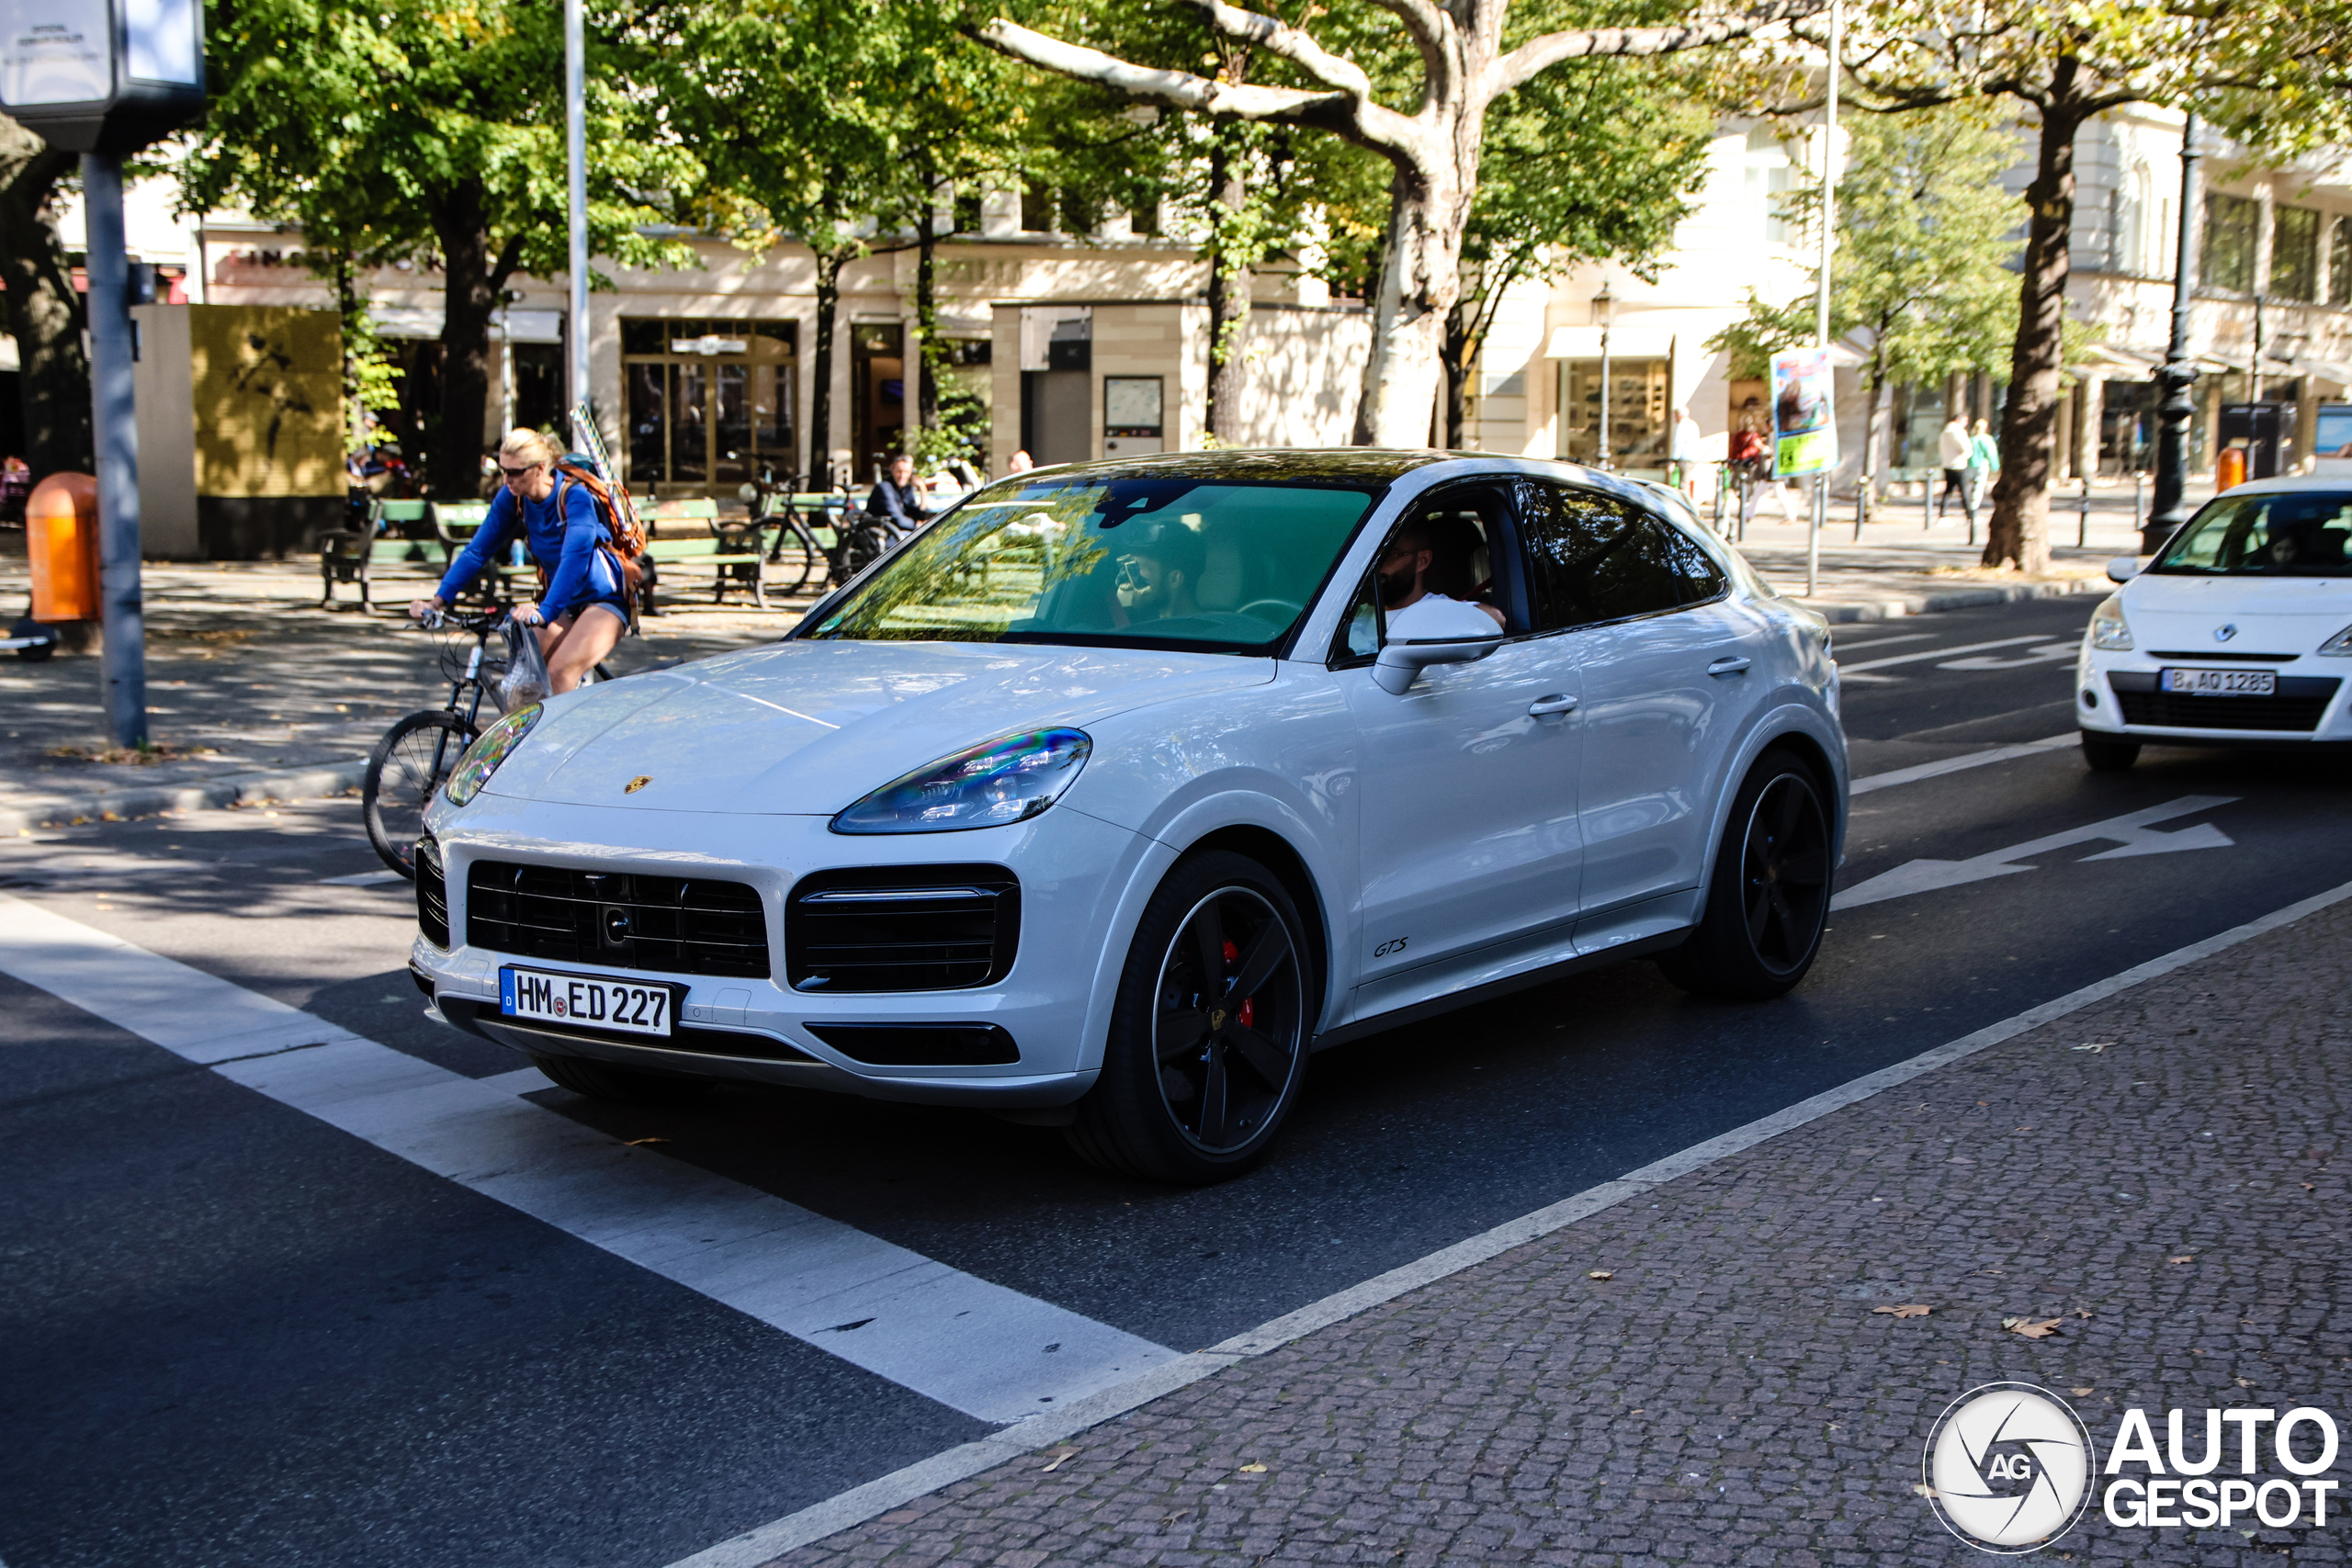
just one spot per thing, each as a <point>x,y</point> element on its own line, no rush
<point>1624,342</point>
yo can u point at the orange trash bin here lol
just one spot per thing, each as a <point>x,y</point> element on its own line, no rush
<point>62,547</point>
<point>2229,468</point>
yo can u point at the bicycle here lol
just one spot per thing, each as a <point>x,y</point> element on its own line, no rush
<point>417,755</point>
<point>794,544</point>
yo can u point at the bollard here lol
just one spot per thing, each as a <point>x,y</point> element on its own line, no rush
<point>2083,515</point>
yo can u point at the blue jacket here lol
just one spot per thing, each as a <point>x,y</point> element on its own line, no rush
<point>581,573</point>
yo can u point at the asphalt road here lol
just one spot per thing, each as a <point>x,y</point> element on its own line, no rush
<point>233,1334</point>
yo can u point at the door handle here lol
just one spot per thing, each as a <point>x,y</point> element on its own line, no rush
<point>1732,666</point>
<point>1543,707</point>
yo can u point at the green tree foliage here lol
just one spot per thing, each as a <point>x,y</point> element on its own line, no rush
<point>1919,267</point>
<point>428,130</point>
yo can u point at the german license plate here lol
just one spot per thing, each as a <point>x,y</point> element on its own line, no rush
<point>585,1001</point>
<point>2221,682</point>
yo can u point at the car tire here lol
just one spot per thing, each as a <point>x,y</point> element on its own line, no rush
<point>1768,901</point>
<point>618,1085</point>
<point>1198,1075</point>
<point>2105,754</point>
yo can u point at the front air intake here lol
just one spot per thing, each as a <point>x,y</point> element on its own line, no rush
<point>927,928</point>
<point>620,920</point>
<point>432,893</point>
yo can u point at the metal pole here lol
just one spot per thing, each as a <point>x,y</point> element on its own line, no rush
<point>2170,510</point>
<point>123,662</point>
<point>575,136</point>
<point>1821,287</point>
<point>1604,395</point>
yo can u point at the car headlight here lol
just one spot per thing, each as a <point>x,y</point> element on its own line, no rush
<point>2339,646</point>
<point>481,758</point>
<point>1007,780</point>
<point>2108,628</point>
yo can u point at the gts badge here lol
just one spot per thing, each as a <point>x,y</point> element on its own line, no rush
<point>1388,948</point>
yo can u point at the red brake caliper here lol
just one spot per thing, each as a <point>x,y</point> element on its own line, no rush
<point>1246,1014</point>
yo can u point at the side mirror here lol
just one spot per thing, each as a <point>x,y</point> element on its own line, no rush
<point>2123,568</point>
<point>1432,632</point>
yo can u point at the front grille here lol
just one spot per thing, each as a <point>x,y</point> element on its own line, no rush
<point>622,920</point>
<point>2291,711</point>
<point>928,928</point>
<point>432,893</point>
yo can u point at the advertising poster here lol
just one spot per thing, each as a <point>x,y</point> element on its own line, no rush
<point>1804,423</point>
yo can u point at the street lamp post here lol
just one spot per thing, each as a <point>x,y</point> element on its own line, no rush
<point>1604,310</point>
<point>575,144</point>
<point>2170,510</point>
<point>1820,517</point>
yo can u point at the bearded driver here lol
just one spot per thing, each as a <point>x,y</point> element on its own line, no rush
<point>1403,574</point>
<point>584,609</point>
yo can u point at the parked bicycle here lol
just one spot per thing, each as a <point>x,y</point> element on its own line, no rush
<point>417,755</point>
<point>794,555</point>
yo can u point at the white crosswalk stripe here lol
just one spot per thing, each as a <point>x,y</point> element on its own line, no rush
<point>979,1347</point>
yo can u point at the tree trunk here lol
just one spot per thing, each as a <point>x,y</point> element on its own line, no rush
<point>1229,286</point>
<point>41,308</point>
<point>926,377</point>
<point>1417,287</point>
<point>471,280</point>
<point>821,358</point>
<point>2019,530</point>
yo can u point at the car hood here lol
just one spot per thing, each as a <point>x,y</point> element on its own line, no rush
<point>2273,614</point>
<point>810,728</point>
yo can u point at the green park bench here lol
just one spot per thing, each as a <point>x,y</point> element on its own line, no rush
<point>737,556</point>
<point>687,516</point>
<point>347,556</point>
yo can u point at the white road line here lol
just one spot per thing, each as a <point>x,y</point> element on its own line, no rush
<point>1958,765</point>
<point>879,1496</point>
<point>1922,655</point>
<point>2132,831</point>
<point>1841,643</point>
<point>979,1347</point>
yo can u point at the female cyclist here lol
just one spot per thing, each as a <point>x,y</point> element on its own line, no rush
<point>583,610</point>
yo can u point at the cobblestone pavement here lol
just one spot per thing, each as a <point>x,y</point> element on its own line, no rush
<point>1728,1392</point>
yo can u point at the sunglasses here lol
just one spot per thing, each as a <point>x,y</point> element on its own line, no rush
<point>523,473</point>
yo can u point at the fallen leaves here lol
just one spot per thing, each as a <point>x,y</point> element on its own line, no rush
<point>636,1143</point>
<point>2080,1392</point>
<point>2093,1046</point>
<point>1061,1458</point>
<point>1923,1489</point>
<point>1253,1468</point>
<point>1601,1274</point>
<point>1915,1309</point>
<point>2242,1382</point>
<point>2184,1258</point>
<point>2032,1328</point>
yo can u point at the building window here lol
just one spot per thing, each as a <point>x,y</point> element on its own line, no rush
<point>2339,261</point>
<point>710,401</point>
<point>1638,426</point>
<point>2294,254</point>
<point>1766,182</point>
<point>2230,225</point>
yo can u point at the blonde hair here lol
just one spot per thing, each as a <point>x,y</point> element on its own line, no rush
<point>530,447</point>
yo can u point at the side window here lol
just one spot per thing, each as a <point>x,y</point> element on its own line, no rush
<point>1593,557</point>
<point>1445,544</point>
<point>1360,631</point>
<point>1702,577</point>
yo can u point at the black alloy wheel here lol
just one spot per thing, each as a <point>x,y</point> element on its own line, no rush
<point>2109,754</point>
<point>1208,1041</point>
<point>1768,902</point>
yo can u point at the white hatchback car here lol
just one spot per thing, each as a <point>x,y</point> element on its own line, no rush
<point>2238,632</point>
<point>1117,790</point>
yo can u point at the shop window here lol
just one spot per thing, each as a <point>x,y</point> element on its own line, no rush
<point>2228,260</point>
<point>1638,425</point>
<point>709,401</point>
<point>2294,254</point>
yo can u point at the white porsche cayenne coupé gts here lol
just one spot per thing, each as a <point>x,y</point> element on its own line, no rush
<point>2240,631</point>
<point>1117,790</point>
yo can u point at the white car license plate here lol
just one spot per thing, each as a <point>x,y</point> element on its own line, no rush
<point>634,1007</point>
<point>2221,682</point>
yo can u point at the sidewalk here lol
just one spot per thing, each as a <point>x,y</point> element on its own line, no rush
<point>1704,1372</point>
<point>253,691</point>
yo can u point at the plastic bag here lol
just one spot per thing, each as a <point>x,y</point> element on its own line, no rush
<point>525,680</point>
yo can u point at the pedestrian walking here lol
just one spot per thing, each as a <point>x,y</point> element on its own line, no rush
<point>1952,449</point>
<point>1984,463</point>
<point>1684,451</point>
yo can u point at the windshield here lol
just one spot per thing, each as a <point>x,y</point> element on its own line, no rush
<point>2285,533</point>
<point>1121,561</point>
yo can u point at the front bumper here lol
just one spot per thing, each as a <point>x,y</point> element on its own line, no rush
<point>2114,694</point>
<point>1072,868</point>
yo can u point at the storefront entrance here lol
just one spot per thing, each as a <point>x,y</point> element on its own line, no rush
<point>709,403</point>
<point>877,396</point>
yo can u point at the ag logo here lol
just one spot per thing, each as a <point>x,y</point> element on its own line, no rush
<point>2008,1468</point>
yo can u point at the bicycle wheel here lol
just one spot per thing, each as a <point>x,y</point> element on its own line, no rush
<point>411,761</point>
<point>795,559</point>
